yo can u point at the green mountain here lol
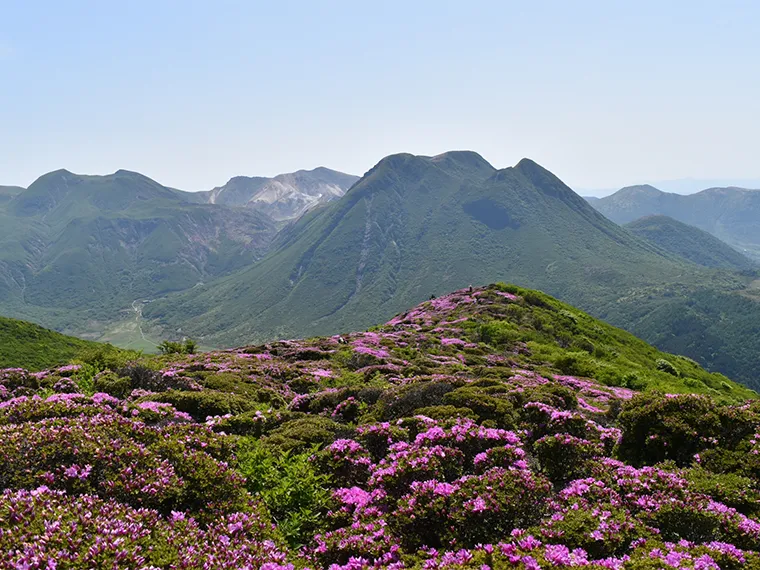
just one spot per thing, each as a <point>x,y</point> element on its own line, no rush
<point>689,242</point>
<point>76,251</point>
<point>24,345</point>
<point>284,197</point>
<point>417,226</point>
<point>730,214</point>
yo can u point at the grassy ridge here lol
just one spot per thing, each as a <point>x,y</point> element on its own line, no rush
<point>29,346</point>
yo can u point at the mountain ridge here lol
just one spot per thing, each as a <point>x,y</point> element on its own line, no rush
<point>77,250</point>
<point>731,214</point>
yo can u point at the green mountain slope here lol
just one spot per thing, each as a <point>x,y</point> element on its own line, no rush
<point>730,214</point>
<point>76,251</point>
<point>416,226</point>
<point>29,346</point>
<point>689,242</point>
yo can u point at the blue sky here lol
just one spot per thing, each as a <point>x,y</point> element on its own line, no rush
<point>191,93</point>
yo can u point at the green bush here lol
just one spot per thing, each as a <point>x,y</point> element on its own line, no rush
<point>403,401</point>
<point>187,346</point>
<point>581,528</point>
<point>563,457</point>
<point>499,410</point>
<point>657,428</point>
<point>512,499</point>
<point>445,412</point>
<point>306,432</point>
<point>666,366</point>
<point>575,364</point>
<point>112,384</point>
<point>203,404</point>
<point>730,489</point>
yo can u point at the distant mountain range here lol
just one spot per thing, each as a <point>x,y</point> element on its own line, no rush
<point>730,214</point>
<point>123,258</point>
<point>682,185</point>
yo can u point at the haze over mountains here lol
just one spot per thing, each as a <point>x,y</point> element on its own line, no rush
<point>317,252</point>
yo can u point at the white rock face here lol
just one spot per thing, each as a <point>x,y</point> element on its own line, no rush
<point>284,197</point>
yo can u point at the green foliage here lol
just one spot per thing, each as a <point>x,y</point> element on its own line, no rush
<point>517,501</point>
<point>295,492</point>
<point>577,530</point>
<point>736,491</point>
<point>403,401</point>
<point>666,366</point>
<point>563,458</point>
<point>305,432</point>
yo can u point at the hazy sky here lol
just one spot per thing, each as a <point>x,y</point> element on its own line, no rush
<point>602,93</point>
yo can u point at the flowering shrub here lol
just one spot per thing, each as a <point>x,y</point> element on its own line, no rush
<point>347,461</point>
<point>50,529</point>
<point>488,506</point>
<point>442,440</point>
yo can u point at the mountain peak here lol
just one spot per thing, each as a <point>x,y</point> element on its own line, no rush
<point>468,157</point>
<point>546,182</point>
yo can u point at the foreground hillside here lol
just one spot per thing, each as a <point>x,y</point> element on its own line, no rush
<point>468,432</point>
